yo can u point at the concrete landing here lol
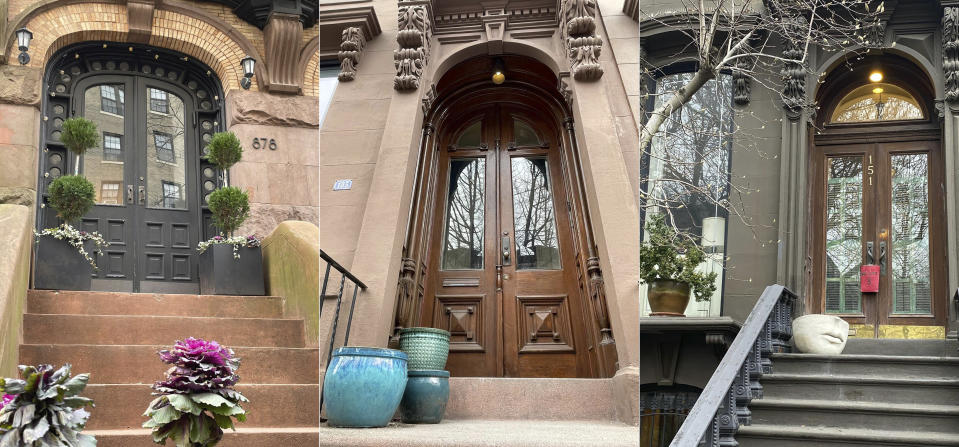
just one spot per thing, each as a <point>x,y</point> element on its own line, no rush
<point>484,433</point>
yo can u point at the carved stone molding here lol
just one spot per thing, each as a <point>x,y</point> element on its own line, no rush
<point>140,18</point>
<point>405,296</point>
<point>282,37</point>
<point>338,16</point>
<point>257,12</point>
<point>562,84</point>
<point>413,37</point>
<point>579,35</point>
<point>428,99</point>
<point>244,107</point>
<point>950,54</point>
<point>597,291</point>
<point>350,50</point>
<point>495,21</point>
<point>741,80</point>
<point>794,74</point>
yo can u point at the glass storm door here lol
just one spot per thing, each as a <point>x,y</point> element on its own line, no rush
<point>502,269</point>
<point>880,204</point>
<point>142,171</point>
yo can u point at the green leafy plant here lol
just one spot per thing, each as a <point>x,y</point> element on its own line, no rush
<point>669,255</point>
<point>79,134</point>
<point>224,151</point>
<point>72,196</point>
<point>44,408</point>
<point>230,207</point>
<point>197,400</point>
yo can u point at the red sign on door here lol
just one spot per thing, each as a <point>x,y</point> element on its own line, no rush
<point>869,278</point>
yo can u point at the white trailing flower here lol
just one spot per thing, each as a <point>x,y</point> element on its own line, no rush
<point>235,241</point>
<point>76,238</point>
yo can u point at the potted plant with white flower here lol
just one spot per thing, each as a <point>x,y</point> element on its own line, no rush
<point>230,264</point>
<point>66,255</point>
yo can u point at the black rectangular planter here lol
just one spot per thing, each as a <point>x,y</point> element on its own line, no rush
<point>60,266</point>
<point>222,274</point>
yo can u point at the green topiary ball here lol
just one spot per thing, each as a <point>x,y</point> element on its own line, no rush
<point>79,134</point>
<point>224,150</point>
<point>230,207</point>
<point>72,196</point>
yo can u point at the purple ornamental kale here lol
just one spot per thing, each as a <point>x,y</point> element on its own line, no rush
<point>7,398</point>
<point>198,366</point>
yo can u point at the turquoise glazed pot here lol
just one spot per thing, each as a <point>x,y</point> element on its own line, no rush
<point>424,401</point>
<point>427,347</point>
<point>363,386</point>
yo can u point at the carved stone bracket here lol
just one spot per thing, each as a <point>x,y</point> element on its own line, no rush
<point>140,18</point>
<point>562,84</point>
<point>794,74</point>
<point>741,80</point>
<point>579,36</point>
<point>428,99</point>
<point>282,38</point>
<point>597,291</point>
<point>495,22</point>
<point>413,37</point>
<point>950,53</point>
<point>350,50</point>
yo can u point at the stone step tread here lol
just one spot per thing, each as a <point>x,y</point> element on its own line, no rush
<point>859,379</point>
<point>38,292</point>
<point>140,363</point>
<point>853,435</point>
<point>531,398</point>
<point>242,437</point>
<point>483,433</point>
<point>113,303</point>
<point>854,406</point>
<point>864,358</point>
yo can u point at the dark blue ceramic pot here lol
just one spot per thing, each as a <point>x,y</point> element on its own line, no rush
<point>363,386</point>
<point>424,401</point>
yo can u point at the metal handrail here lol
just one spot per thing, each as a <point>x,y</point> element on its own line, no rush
<point>357,285</point>
<point>722,405</point>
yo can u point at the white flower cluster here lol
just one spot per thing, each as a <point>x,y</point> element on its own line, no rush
<point>76,238</point>
<point>235,241</point>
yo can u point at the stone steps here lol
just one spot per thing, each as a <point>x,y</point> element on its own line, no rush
<point>862,388</point>
<point>855,415</point>
<point>486,433</point>
<point>140,364</point>
<point>155,304</point>
<point>242,437</point>
<point>758,435</point>
<point>156,330</point>
<point>483,398</point>
<point>851,364</point>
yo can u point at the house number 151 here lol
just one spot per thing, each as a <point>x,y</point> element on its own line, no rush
<point>869,170</point>
<point>260,143</point>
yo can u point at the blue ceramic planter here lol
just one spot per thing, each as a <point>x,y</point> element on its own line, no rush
<point>363,386</point>
<point>424,401</point>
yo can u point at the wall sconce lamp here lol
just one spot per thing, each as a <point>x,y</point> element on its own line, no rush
<point>23,40</point>
<point>248,64</point>
<point>499,71</point>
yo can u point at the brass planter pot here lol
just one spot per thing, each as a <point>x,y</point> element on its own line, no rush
<point>668,298</point>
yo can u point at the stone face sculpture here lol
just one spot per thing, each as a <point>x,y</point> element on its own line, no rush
<point>820,334</point>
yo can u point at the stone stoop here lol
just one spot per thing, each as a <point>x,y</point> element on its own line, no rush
<point>866,398</point>
<point>491,411</point>
<point>115,337</point>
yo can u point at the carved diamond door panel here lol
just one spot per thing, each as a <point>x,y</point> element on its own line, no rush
<point>502,276</point>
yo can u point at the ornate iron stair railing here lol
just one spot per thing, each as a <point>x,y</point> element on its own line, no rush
<point>722,405</point>
<point>357,284</point>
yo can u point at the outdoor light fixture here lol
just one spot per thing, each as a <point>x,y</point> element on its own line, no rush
<point>880,104</point>
<point>499,71</point>
<point>877,90</point>
<point>875,76</point>
<point>248,64</point>
<point>23,40</point>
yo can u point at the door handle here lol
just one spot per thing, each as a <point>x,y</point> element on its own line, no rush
<point>882,257</point>
<point>505,242</point>
<point>130,194</point>
<point>870,258</point>
<point>142,195</point>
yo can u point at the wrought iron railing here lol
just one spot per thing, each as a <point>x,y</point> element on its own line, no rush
<point>357,284</point>
<point>722,406</point>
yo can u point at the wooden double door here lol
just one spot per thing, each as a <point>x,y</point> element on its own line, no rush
<point>880,203</point>
<point>502,268</point>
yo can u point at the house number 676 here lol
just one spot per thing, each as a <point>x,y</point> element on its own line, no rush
<point>261,143</point>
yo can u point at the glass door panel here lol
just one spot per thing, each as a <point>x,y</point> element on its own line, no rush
<point>104,164</point>
<point>165,150</point>
<point>465,215</point>
<point>533,215</point>
<point>844,222</point>
<point>909,268</point>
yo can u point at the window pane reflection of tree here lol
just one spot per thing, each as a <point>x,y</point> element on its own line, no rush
<point>165,153</point>
<point>533,218</point>
<point>465,212</point>
<point>843,234</point>
<point>910,235</point>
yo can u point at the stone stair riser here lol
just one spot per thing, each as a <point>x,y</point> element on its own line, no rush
<point>845,418</point>
<point>876,368</point>
<point>112,303</point>
<point>230,439</point>
<point>862,392</point>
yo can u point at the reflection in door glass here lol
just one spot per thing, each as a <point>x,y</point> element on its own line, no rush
<point>910,235</point>
<point>843,234</point>
<point>165,152</point>
<point>534,224</point>
<point>465,212</point>
<point>103,164</point>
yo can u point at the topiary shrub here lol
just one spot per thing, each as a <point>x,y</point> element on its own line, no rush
<point>72,196</point>
<point>79,134</point>
<point>230,207</point>
<point>224,150</point>
<point>670,255</point>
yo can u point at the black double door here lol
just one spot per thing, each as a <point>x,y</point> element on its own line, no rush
<point>144,171</point>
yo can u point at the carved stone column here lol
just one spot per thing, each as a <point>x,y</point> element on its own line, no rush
<point>579,36</point>
<point>282,38</point>
<point>950,143</point>
<point>413,38</point>
<point>350,50</point>
<point>950,51</point>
